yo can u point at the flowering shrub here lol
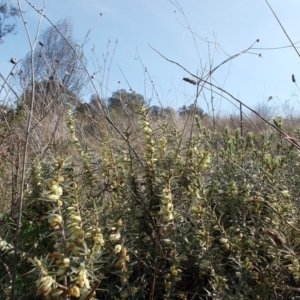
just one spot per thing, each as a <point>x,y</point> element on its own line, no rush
<point>213,216</point>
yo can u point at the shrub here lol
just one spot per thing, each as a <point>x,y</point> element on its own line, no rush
<point>208,217</point>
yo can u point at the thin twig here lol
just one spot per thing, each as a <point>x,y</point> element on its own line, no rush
<point>101,106</point>
<point>26,144</point>
<point>283,28</point>
<point>200,80</point>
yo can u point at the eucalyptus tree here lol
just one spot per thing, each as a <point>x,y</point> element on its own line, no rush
<point>58,66</point>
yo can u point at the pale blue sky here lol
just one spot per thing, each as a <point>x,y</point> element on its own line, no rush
<point>136,24</point>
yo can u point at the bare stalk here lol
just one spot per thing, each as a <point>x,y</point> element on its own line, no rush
<point>283,28</point>
<point>291,140</point>
<point>101,106</point>
<point>26,144</point>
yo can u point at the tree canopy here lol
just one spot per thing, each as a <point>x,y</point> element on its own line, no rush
<point>59,58</point>
<point>186,110</point>
<point>8,13</point>
<point>122,99</point>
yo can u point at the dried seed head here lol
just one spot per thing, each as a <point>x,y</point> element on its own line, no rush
<point>191,81</point>
<point>13,60</point>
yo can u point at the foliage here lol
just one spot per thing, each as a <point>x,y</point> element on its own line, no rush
<point>7,11</point>
<point>191,109</point>
<point>123,100</point>
<point>117,200</point>
<point>214,216</point>
<point>58,59</point>
<point>161,112</point>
